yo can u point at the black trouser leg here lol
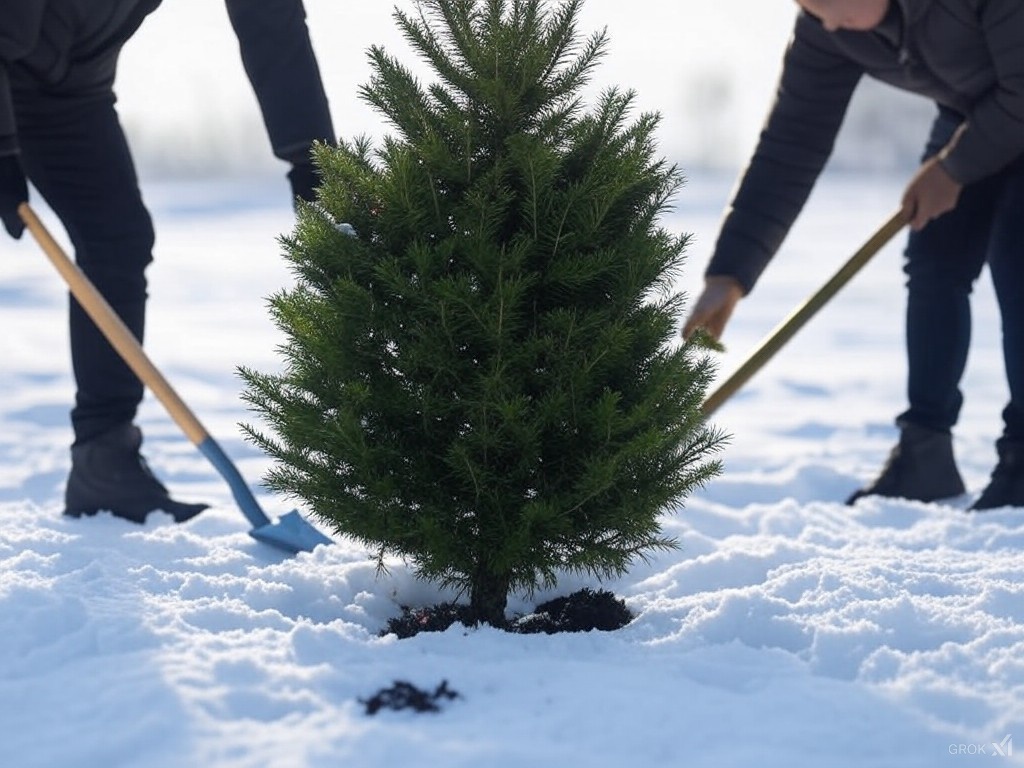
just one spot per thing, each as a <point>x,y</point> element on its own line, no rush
<point>1006,263</point>
<point>75,153</point>
<point>943,262</point>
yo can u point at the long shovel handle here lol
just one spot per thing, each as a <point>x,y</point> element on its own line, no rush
<point>130,350</point>
<point>291,533</point>
<point>799,316</point>
<point>113,328</point>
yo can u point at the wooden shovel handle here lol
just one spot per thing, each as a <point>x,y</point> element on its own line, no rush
<point>113,328</point>
<point>799,316</point>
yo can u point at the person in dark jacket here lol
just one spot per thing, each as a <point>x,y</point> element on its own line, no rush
<point>282,68</point>
<point>965,206</point>
<point>59,127</point>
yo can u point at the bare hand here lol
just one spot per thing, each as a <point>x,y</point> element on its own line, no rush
<point>931,193</point>
<point>714,306</point>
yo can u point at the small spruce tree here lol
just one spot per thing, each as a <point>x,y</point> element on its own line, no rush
<point>483,379</point>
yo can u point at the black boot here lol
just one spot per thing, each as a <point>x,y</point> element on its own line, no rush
<point>921,467</point>
<point>109,474</point>
<point>1006,488</point>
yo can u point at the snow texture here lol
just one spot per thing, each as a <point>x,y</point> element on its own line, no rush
<point>787,630</point>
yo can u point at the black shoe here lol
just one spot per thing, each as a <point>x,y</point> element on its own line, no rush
<point>109,474</point>
<point>1006,488</point>
<point>921,467</point>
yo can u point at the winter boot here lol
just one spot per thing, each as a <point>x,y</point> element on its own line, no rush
<point>1006,488</point>
<point>108,473</point>
<point>921,467</point>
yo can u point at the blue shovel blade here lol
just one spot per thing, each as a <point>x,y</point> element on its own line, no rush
<point>291,532</point>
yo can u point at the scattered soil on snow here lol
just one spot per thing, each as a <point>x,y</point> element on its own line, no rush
<point>579,612</point>
<point>405,695</point>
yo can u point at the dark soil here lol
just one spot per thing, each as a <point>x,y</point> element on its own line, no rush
<point>579,612</point>
<point>403,695</point>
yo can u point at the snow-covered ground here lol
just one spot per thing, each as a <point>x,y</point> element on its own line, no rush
<point>787,630</point>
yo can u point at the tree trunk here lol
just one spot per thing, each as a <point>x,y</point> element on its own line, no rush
<point>488,596</point>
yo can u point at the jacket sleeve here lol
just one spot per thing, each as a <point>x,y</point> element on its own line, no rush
<point>814,92</point>
<point>993,135</point>
<point>282,68</point>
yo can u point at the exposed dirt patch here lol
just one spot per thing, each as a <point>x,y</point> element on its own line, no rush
<point>581,611</point>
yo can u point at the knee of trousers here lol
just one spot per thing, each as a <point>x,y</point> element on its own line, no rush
<point>936,269</point>
<point>119,237</point>
<point>117,267</point>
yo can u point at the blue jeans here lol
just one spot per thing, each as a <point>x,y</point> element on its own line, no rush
<point>943,261</point>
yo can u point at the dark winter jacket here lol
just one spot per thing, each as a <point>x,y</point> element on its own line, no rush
<point>966,55</point>
<point>47,39</point>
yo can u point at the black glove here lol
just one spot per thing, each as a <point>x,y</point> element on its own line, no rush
<point>304,178</point>
<point>13,192</point>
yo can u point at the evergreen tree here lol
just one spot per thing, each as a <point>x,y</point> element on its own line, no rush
<point>483,379</point>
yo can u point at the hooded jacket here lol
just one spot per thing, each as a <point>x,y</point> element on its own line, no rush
<point>45,39</point>
<point>965,55</point>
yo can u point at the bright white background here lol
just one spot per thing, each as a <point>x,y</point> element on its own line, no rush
<point>708,67</point>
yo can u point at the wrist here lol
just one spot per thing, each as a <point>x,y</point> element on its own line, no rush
<point>725,283</point>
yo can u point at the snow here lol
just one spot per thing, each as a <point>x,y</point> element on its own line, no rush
<point>787,629</point>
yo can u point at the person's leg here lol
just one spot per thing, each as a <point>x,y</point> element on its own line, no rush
<point>74,151</point>
<point>1006,264</point>
<point>943,262</point>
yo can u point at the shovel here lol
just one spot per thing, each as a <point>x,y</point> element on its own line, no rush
<point>799,316</point>
<point>291,533</point>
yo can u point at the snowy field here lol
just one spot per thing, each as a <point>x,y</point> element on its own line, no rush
<point>787,630</point>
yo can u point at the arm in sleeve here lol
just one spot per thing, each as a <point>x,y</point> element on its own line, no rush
<point>281,66</point>
<point>992,136</point>
<point>814,92</point>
